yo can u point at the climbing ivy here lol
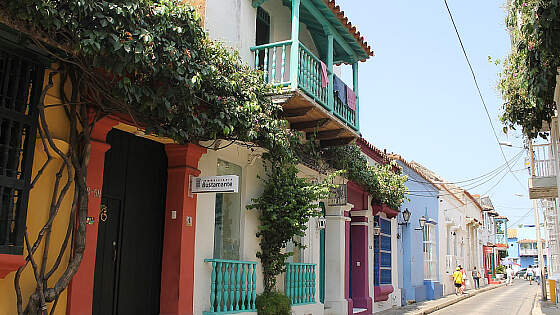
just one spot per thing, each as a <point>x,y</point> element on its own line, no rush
<point>384,182</point>
<point>285,206</point>
<point>152,61</point>
<point>528,79</point>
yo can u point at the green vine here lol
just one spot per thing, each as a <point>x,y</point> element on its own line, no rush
<point>152,61</point>
<point>528,79</point>
<point>384,182</point>
<point>285,206</point>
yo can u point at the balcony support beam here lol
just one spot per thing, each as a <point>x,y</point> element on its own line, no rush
<point>330,57</point>
<point>325,135</point>
<point>336,142</point>
<point>328,27</point>
<point>294,52</point>
<point>296,112</point>
<point>310,125</point>
<point>355,86</point>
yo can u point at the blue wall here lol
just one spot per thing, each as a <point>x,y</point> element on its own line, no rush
<point>527,260</point>
<point>513,248</point>
<point>410,249</point>
<point>526,232</point>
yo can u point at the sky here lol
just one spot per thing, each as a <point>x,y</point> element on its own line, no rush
<point>418,98</point>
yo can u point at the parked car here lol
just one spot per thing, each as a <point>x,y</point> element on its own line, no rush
<point>522,273</point>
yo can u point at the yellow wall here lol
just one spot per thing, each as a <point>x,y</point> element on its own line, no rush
<point>37,212</point>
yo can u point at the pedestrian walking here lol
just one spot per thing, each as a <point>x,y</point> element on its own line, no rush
<point>476,278</point>
<point>464,285</point>
<point>458,281</point>
<point>537,274</point>
<point>530,274</point>
<point>509,274</point>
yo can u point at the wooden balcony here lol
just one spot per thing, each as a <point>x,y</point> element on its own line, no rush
<point>308,105</point>
<point>543,183</point>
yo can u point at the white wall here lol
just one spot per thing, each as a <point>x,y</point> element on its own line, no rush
<point>204,239</point>
<point>233,22</point>
<point>451,220</point>
<point>250,187</point>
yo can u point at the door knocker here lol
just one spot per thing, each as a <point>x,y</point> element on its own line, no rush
<point>103,213</point>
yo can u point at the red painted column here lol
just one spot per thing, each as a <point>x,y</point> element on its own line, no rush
<point>177,270</point>
<point>80,291</point>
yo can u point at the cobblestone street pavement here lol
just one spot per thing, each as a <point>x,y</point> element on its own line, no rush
<point>508,300</point>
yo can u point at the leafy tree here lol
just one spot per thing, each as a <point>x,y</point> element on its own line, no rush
<point>528,79</point>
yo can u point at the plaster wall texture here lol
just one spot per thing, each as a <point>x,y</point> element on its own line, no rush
<point>513,248</point>
<point>38,209</point>
<point>250,187</point>
<point>335,260</point>
<point>473,248</point>
<point>233,22</point>
<point>451,233</point>
<point>462,239</point>
<point>410,244</point>
<point>487,230</point>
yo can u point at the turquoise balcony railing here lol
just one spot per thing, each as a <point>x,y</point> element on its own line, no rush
<point>300,283</point>
<point>234,286</point>
<point>275,62</point>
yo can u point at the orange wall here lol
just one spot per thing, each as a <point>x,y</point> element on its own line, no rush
<point>37,213</point>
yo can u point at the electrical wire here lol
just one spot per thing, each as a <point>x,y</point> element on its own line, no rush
<point>475,178</point>
<point>522,217</point>
<point>470,185</point>
<point>460,189</point>
<point>480,93</point>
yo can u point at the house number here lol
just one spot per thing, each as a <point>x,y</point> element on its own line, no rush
<point>95,192</point>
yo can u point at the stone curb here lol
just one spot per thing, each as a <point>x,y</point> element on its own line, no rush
<point>445,304</point>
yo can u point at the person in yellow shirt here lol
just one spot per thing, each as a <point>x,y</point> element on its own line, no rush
<point>458,280</point>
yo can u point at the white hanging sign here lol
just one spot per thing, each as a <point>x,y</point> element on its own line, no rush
<point>215,184</point>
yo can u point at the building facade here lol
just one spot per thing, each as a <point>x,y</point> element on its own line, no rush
<point>418,247</point>
<point>460,230</point>
<point>523,245</point>
<point>198,253</point>
<point>372,246</point>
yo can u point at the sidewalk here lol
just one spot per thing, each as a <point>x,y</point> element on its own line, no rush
<point>544,307</point>
<point>428,307</point>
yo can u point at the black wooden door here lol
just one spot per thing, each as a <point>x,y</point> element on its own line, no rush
<point>129,244</point>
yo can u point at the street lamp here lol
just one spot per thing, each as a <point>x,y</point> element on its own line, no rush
<point>405,216</point>
<point>422,222</point>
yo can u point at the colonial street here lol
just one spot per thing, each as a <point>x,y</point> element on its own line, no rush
<point>510,300</point>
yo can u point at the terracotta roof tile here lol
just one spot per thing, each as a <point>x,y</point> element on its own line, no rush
<point>352,29</point>
<point>374,153</point>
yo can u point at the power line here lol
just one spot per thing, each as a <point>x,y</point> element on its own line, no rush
<point>480,93</point>
<point>522,217</point>
<point>483,180</point>
<point>498,169</point>
<point>471,185</point>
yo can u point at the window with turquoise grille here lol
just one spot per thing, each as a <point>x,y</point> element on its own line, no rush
<point>382,252</point>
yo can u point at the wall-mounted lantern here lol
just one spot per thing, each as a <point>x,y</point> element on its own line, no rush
<point>376,229</point>
<point>422,222</point>
<point>321,223</point>
<point>406,216</point>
